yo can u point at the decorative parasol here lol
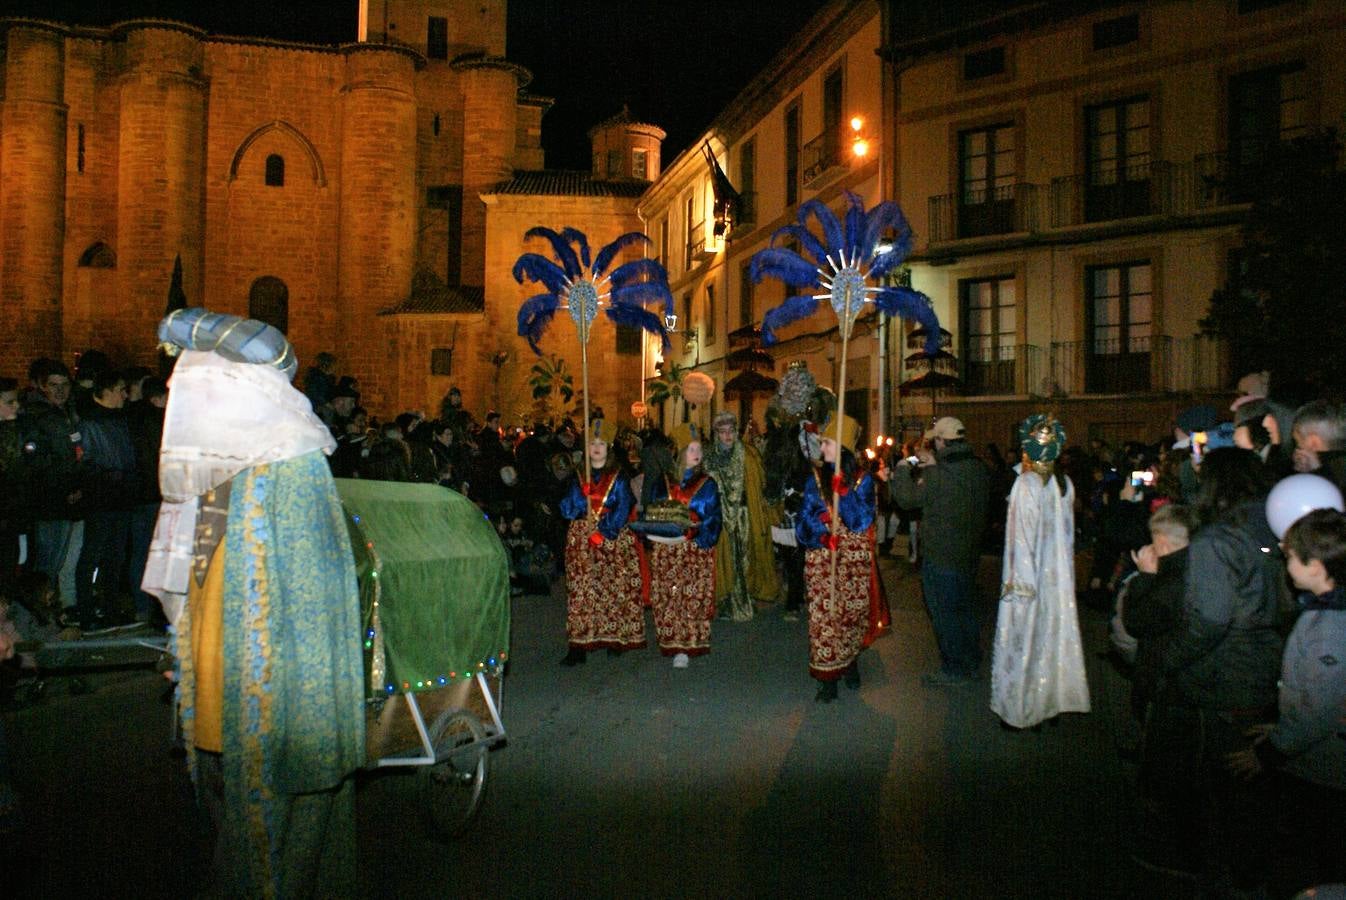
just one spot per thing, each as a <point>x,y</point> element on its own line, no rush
<point>747,383</point>
<point>943,362</point>
<point>919,338</point>
<point>745,336</point>
<point>751,358</point>
<point>930,381</point>
<point>844,258</point>
<point>622,293</point>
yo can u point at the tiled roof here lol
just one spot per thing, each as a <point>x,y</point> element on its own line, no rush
<point>438,298</point>
<point>569,184</point>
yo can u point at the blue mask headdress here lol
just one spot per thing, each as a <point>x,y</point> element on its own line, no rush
<point>624,291</point>
<point>844,257</point>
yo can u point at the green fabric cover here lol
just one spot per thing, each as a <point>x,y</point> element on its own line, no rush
<point>442,578</point>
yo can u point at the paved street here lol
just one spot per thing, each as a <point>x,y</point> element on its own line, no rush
<point>627,778</point>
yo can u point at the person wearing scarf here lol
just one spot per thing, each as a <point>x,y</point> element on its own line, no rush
<point>845,621</point>
<point>682,574</point>
<point>603,582</point>
<point>252,563</point>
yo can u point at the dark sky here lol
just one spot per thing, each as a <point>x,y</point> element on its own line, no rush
<point>675,63</point>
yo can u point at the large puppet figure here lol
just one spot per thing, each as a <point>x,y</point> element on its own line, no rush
<point>603,583</point>
<point>1037,671</point>
<point>252,562</point>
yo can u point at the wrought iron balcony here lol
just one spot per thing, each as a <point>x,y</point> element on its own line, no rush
<point>992,370</point>
<point>822,158</point>
<point>983,213</point>
<point>1146,364</point>
<point>1132,192</point>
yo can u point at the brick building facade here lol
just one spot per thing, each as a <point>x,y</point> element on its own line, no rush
<point>335,191</point>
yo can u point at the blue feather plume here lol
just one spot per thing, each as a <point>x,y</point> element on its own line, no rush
<point>534,316</point>
<point>855,225</point>
<point>806,239</point>
<point>880,218</point>
<point>833,236</point>
<point>914,305</point>
<point>577,237</point>
<point>800,306</point>
<point>902,241</point>
<point>537,267</point>
<point>635,316</point>
<point>644,292</point>
<point>565,254</point>
<point>785,265</point>
<point>638,270</point>
<point>604,257</point>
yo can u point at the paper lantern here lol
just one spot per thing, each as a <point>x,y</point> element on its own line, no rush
<point>697,387</point>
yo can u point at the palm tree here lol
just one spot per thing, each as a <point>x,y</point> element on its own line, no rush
<point>550,376</point>
<point>668,386</point>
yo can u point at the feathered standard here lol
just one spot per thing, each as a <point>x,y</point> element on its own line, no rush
<point>624,292</point>
<point>844,256</point>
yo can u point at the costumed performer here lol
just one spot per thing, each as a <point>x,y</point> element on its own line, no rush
<point>682,575</point>
<point>745,565</point>
<point>1037,668</point>
<point>252,562</point>
<point>603,583</point>
<point>841,626</point>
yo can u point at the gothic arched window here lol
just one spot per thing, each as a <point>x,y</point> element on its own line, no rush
<point>275,170</point>
<point>269,302</point>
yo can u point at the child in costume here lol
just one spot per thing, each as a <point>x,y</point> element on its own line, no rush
<point>682,574</point>
<point>841,622</point>
<point>603,583</point>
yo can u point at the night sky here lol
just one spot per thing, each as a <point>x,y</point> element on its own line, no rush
<point>675,64</point>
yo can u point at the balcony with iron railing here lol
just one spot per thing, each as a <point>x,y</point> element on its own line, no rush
<point>983,212</point>
<point>1146,365</point>
<point>822,158</point>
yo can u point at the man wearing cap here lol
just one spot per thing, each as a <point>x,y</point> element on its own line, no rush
<point>951,488</point>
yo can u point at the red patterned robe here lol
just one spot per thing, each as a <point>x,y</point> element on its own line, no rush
<point>682,576</point>
<point>603,602</point>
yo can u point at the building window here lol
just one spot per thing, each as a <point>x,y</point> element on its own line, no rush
<point>984,63</point>
<point>434,125</point>
<point>747,182</point>
<point>986,163</point>
<point>79,148</point>
<point>687,320</point>
<point>449,198</point>
<point>1117,153</point>
<point>98,256</point>
<point>663,244</point>
<point>834,99</point>
<point>628,340</point>
<point>640,164</point>
<point>1266,107</point>
<point>689,212</point>
<point>441,361</point>
<point>710,313</point>
<point>437,38</point>
<point>269,302</point>
<point>614,163</point>
<point>1120,306</point>
<point>990,332</point>
<point>275,170</point>
<point>792,145</point>
<point>745,292</point>
<point>1116,32</point>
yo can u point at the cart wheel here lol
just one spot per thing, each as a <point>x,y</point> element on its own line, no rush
<point>454,785</point>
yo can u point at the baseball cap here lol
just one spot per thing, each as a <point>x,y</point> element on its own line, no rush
<point>946,427</point>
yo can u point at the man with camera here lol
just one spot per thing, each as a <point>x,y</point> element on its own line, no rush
<point>950,485</point>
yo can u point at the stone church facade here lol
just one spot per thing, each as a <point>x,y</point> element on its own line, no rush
<point>369,198</point>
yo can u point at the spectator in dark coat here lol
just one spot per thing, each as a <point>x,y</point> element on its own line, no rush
<point>146,421</point>
<point>13,488</point>
<point>110,489</point>
<point>951,489</point>
<point>1218,672</point>
<point>52,442</point>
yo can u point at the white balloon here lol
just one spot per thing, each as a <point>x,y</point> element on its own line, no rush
<point>1294,497</point>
